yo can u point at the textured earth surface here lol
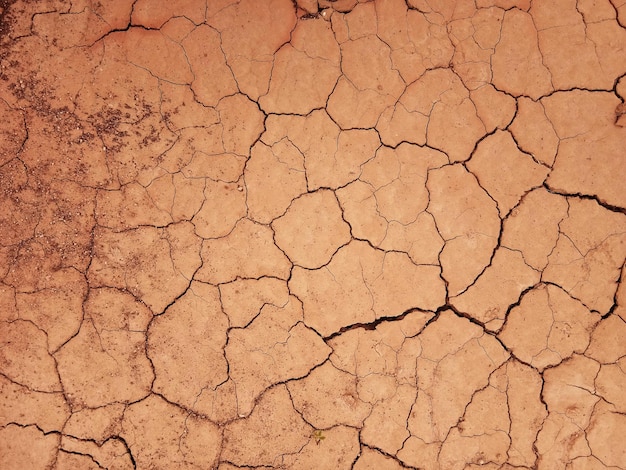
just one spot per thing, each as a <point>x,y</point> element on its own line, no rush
<point>312,234</point>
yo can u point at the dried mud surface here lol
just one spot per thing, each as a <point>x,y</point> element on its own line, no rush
<point>312,234</point>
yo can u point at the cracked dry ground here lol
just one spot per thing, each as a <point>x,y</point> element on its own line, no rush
<point>266,234</point>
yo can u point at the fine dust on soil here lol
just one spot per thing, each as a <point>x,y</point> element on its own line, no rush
<point>320,234</point>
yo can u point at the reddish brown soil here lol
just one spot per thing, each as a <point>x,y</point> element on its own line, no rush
<point>312,234</point>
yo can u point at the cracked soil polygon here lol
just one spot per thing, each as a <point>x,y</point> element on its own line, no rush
<point>297,234</point>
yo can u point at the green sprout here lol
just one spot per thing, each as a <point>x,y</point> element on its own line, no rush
<point>318,435</point>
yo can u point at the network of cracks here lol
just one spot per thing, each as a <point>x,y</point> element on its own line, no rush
<point>312,234</point>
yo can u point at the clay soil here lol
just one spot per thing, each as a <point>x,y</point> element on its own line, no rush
<point>312,234</point>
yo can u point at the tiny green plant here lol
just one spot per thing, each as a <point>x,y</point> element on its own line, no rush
<point>318,435</point>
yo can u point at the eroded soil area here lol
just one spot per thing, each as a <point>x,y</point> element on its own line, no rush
<point>321,234</point>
